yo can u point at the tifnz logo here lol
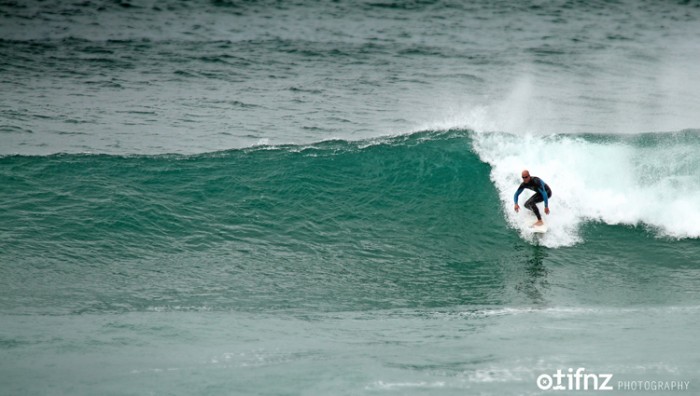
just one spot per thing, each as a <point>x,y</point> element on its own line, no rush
<point>575,380</point>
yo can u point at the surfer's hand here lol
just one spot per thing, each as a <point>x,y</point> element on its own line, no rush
<point>546,210</point>
<point>517,208</point>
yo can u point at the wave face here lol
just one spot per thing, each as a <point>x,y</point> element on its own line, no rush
<point>417,220</point>
<point>300,197</point>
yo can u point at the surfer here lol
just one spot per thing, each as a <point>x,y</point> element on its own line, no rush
<point>542,193</point>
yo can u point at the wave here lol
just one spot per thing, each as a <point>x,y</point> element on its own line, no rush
<point>422,193</point>
<point>423,220</point>
<point>372,195</point>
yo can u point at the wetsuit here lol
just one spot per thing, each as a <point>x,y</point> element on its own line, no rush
<point>542,193</point>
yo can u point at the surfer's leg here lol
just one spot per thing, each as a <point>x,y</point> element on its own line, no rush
<point>532,204</point>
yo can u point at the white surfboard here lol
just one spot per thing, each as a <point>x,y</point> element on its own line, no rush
<point>539,229</point>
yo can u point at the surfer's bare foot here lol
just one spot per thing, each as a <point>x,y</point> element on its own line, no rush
<point>538,223</point>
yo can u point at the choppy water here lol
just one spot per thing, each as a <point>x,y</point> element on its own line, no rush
<point>301,198</point>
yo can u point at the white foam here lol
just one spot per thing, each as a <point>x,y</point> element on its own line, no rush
<point>560,312</point>
<point>381,385</point>
<point>262,142</point>
<point>612,182</point>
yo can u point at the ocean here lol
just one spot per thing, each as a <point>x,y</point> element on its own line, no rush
<point>316,198</point>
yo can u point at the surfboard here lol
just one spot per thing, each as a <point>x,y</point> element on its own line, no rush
<point>539,229</point>
<point>525,222</point>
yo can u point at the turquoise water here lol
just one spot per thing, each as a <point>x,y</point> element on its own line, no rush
<point>287,198</point>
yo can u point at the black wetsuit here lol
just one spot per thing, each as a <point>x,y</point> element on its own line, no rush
<point>542,193</point>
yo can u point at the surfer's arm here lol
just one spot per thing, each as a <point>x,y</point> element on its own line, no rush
<point>543,191</point>
<point>517,194</point>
